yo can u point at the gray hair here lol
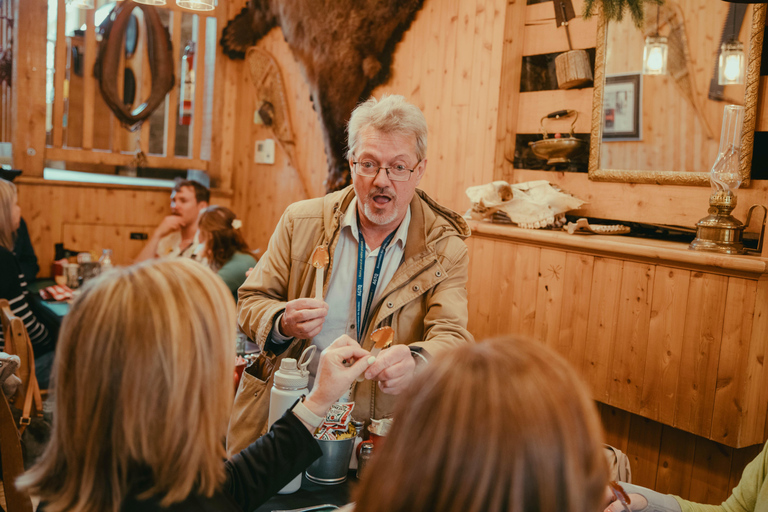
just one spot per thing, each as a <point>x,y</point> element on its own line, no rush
<point>390,114</point>
<point>7,195</point>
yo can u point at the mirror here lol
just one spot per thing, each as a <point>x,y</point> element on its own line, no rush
<point>665,128</point>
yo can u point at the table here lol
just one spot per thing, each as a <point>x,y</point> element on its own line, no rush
<point>60,309</point>
<point>312,494</point>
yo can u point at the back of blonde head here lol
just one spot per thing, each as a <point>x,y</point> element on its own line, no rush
<point>143,385</point>
<point>502,425</point>
<point>7,196</point>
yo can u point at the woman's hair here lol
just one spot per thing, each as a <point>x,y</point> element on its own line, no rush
<point>390,114</point>
<point>143,389</point>
<point>7,196</point>
<point>502,425</point>
<point>224,239</point>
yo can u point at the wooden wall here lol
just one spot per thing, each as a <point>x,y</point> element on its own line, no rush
<point>448,64</point>
<point>92,217</point>
<point>663,204</point>
<point>648,335</point>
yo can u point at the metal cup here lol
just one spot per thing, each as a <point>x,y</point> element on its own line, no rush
<point>332,467</point>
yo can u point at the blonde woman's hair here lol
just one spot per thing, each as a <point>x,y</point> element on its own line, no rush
<point>390,114</point>
<point>7,197</point>
<point>499,426</point>
<point>143,389</point>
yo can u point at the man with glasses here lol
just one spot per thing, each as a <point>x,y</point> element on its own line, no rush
<point>397,259</point>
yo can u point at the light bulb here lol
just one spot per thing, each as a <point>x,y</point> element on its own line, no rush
<point>731,63</point>
<point>655,59</point>
<point>732,67</point>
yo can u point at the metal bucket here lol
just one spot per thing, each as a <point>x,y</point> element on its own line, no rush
<point>333,466</point>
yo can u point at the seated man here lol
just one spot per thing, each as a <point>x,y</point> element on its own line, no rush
<point>397,258</point>
<point>177,233</point>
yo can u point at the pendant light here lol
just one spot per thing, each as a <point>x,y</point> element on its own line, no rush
<point>82,4</point>
<point>655,52</point>
<point>197,5</point>
<point>731,63</point>
<point>150,2</point>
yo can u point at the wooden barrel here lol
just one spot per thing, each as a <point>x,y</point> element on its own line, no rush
<point>573,69</point>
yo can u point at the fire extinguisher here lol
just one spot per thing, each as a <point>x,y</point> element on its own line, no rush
<point>187,84</point>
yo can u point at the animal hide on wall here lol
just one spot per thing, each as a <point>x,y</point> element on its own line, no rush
<point>345,49</point>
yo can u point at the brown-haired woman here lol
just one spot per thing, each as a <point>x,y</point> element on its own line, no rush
<point>143,390</point>
<point>225,248</point>
<point>502,425</point>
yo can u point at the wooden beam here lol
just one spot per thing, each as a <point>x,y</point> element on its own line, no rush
<point>89,81</point>
<point>511,64</point>
<point>172,100</point>
<point>28,117</point>
<point>60,74</point>
<point>197,119</point>
<point>96,156</point>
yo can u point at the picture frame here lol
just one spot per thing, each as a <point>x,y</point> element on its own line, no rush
<point>622,107</point>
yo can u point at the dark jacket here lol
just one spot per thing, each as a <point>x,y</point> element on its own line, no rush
<point>253,476</point>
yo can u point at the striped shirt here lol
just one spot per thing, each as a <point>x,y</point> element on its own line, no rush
<point>13,288</point>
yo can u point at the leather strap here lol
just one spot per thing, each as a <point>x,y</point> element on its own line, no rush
<point>33,394</point>
<point>13,462</point>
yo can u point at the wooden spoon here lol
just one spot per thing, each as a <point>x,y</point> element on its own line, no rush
<point>320,259</point>
<point>381,338</point>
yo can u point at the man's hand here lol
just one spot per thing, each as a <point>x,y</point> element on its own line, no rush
<point>169,224</point>
<point>303,318</point>
<point>334,373</point>
<point>394,369</point>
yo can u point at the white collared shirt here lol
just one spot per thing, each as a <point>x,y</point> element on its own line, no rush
<point>340,295</point>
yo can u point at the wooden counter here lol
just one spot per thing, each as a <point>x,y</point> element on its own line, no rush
<point>672,342</point>
<point>673,335</point>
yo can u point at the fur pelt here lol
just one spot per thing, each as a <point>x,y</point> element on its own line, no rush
<point>344,47</point>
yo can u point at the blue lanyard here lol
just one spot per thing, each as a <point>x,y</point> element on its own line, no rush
<point>361,276</point>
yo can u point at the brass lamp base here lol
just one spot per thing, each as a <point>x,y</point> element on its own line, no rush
<point>720,231</point>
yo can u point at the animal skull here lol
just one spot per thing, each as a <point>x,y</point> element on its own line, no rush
<point>532,205</point>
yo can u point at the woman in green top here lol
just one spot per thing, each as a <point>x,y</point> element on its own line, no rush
<point>225,249</point>
<point>751,495</point>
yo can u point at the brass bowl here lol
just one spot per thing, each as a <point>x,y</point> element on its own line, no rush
<point>557,151</point>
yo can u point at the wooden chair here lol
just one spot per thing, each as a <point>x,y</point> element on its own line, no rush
<point>16,342</point>
<point>28,397</point>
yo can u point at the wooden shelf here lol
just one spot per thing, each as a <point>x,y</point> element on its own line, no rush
<point>628,248</point>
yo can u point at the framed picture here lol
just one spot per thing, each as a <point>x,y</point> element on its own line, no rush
<point>622,107</point>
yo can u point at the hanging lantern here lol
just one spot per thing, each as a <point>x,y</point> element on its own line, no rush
<point>731,63</point>
<point>82,4</point>
<point>655,55</point>
<point>197,5</point>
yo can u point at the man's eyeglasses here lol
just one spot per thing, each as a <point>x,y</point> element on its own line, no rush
<point>395,173</point>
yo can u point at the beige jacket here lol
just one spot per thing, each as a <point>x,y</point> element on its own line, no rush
<point>425,302</point>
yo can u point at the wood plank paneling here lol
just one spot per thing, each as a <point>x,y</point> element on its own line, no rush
<point>574,314</point>
<point>676,455</point>
<point>732,380</point>
<point>603,312</point>
<point>665,342</point>
<point>631,336</point>
<point>701,348</point>
<point>549,297</point>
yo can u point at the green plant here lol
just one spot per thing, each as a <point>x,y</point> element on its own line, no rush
<point>614,9</point>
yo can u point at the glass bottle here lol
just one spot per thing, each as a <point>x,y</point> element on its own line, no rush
<point>106,259</point>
